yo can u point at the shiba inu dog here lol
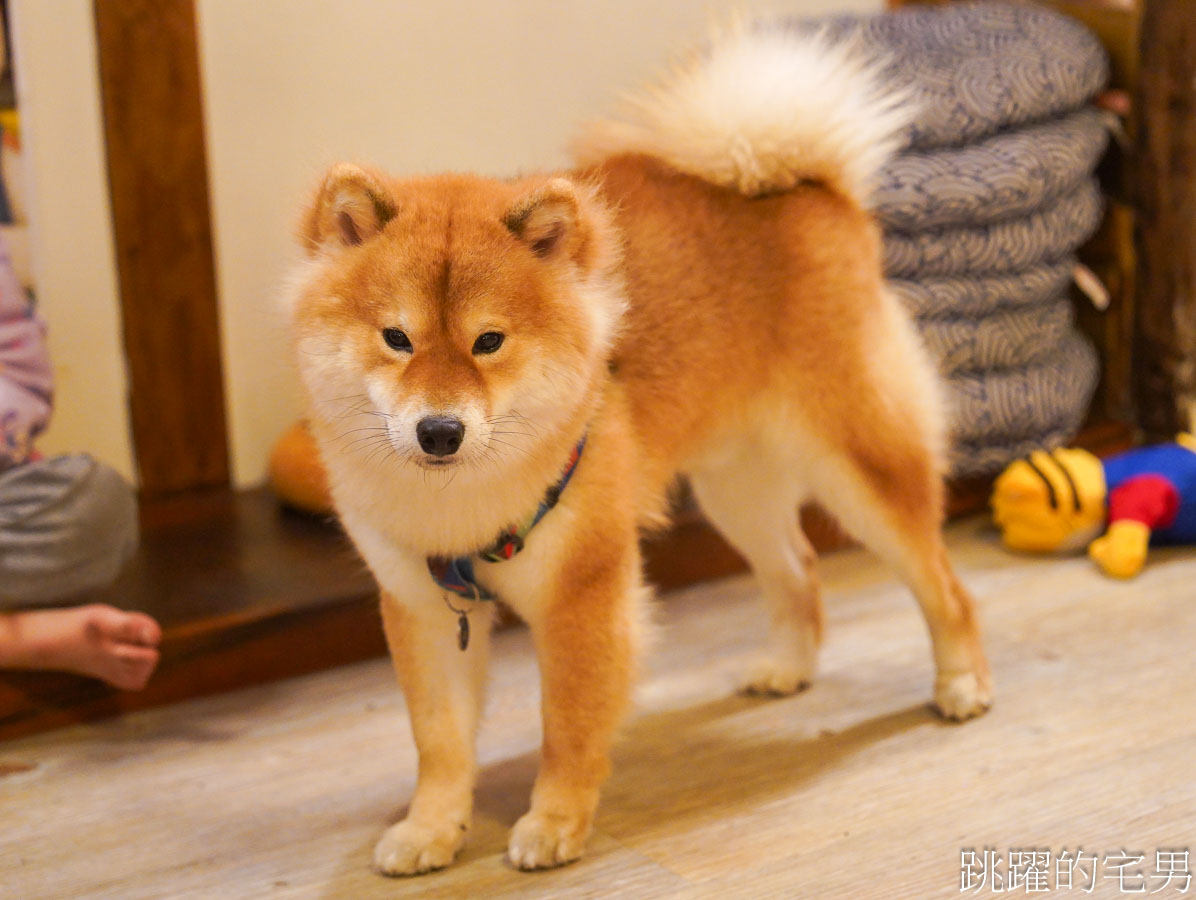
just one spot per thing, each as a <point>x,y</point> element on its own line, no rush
<point>505,377</point>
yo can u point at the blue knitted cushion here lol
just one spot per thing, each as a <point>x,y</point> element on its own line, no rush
<point>979,68</point>
<point>987,457</point>
<point>996,410</point>
<point>955,296</point>
<point>1008,175</point>
<point>1012,338</point>
<point>1050,233</point>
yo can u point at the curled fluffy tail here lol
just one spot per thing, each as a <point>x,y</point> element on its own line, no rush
<point>761,110</point>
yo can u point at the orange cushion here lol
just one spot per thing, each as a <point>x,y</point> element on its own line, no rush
<point>297,475</point>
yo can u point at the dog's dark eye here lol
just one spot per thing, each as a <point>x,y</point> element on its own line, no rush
<point>488,342</point>
<point>397,339</point>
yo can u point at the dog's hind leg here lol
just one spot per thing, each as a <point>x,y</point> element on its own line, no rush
<point>889,495</point>
<point>753,501</point>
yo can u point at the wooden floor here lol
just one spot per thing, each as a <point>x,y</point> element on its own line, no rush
<point>852,789</point>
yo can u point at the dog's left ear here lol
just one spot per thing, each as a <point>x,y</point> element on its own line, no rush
<point>351,206</point>
<point>555,221</point>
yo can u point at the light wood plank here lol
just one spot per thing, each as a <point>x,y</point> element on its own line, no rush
<point>852,789</point>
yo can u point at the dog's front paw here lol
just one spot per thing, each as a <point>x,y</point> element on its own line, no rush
<point>541,841</point>
<point>778,679</point>
<point>963,695</point>
<point>411,849</point>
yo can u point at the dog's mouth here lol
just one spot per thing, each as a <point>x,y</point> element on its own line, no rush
<point>437,462</point>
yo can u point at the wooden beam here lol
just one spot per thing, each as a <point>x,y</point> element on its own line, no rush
<point>153,122</point>
<point>1165,167</point>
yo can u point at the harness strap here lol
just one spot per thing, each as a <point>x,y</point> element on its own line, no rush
<point>455,574</point>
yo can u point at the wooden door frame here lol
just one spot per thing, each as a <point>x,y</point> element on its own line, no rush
<point>1165,232</point>
<point>158,180</point>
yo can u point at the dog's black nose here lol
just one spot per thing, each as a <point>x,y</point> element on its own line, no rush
<point>440,435</point>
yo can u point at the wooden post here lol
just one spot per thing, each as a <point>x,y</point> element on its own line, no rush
<point>1165,171</point>
<point>153,123</point>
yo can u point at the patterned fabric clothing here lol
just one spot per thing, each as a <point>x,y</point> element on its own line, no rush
<point>26,382</point>
<point>67,525</point>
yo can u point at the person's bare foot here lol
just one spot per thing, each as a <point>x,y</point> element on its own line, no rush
<point>96,640</point>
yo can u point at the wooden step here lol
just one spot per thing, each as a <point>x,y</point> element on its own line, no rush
<point>245,590</point>
<point>248,591</point>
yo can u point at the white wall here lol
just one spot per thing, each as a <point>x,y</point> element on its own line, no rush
<point>291,86</point>
<point>413,86</point>
<point>71,232</point>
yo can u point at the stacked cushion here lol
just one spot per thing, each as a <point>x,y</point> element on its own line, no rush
<point>984,211</point>
<point>1051,232</point>
<point>1007,175</point>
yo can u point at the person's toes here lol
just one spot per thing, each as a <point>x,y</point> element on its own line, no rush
<point>132,667</point>
<point>110,623</point>
<point>139,628</point>
<point>102,622</point>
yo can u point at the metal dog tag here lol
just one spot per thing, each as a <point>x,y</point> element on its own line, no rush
<point>463,631</point>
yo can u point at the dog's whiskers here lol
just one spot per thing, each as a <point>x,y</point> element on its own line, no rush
<point>374,436</point>
<point>494,441</point>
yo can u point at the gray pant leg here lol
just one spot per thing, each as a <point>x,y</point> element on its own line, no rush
<point>67,525</point>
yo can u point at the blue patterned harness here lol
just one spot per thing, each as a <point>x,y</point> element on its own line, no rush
<point>455,574</point>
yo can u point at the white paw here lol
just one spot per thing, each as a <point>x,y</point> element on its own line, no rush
<point>410,849</point>
<point>541,842</point>
<point>962,696</point>
<point>771,676</point>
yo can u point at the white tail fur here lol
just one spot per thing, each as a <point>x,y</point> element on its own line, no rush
<point>760,111</point>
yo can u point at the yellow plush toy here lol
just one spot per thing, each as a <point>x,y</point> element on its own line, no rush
<point>1062,500</point>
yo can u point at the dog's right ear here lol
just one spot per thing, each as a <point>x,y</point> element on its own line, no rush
<point>351,206</point>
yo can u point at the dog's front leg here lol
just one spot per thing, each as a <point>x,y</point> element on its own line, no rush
<point>443,687</point>
<point>586,635</point>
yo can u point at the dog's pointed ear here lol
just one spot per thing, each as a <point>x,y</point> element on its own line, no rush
<point>550,220</point>
<point>351,206</point>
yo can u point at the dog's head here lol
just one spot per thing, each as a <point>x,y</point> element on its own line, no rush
<point>460,317</point>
